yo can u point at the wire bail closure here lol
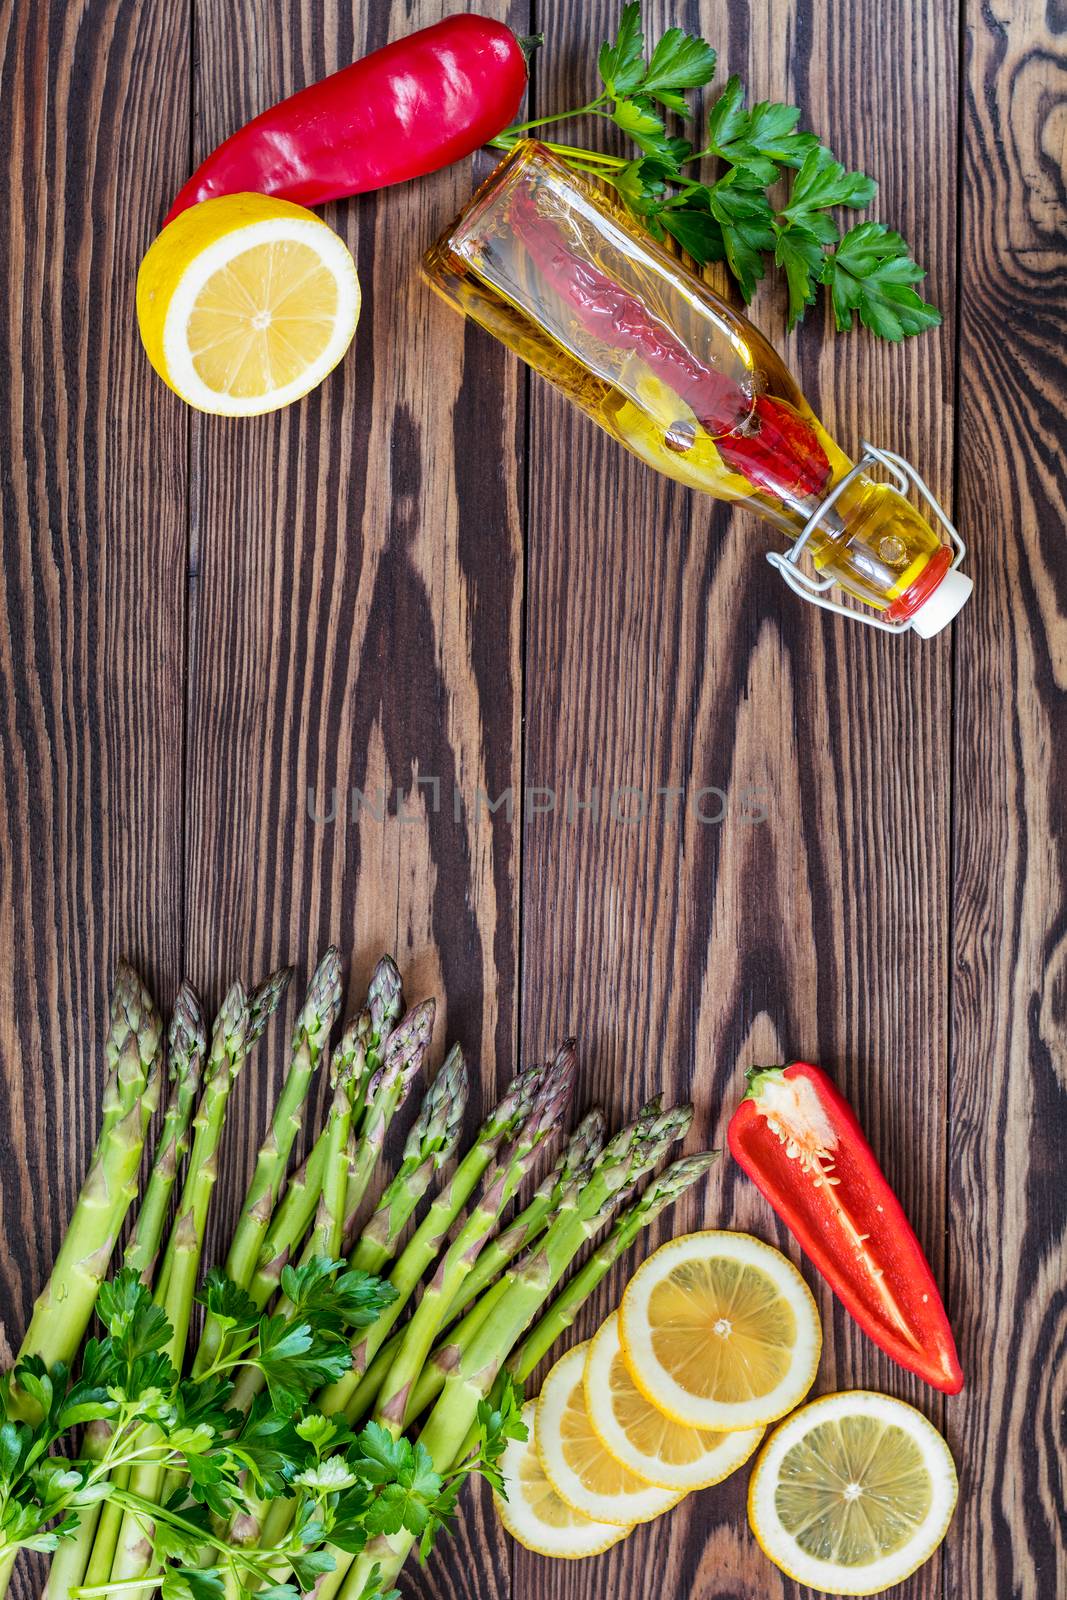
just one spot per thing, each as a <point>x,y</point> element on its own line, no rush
<point>814,589</point>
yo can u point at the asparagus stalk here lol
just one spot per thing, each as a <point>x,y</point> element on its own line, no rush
<point>572,1168</point>
<point>317,1016</point>
<point>366,1035</point>
<point>573,1165</point>
<point>662,1192</point>
<point>229,1044</point>
<point>634,1151</point>
<point>186,1043</point>
<point>325,1237</point>
<point>403,1058</point>
<point>98,1527</point>
<point>474,1366</point>
<point>429,1146</point>
<point>403,1055</point>
<point>425,1243</point>
<point>500,1186</point>
<point>386,1093</point>
<point>433,1137</point>
<point>65,1305</point>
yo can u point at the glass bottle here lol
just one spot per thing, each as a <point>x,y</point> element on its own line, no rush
<point>570,282</point>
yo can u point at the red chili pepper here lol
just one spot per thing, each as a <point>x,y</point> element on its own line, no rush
<point>775,448</point>
<point>405,110</point>
<point>799,1141</point>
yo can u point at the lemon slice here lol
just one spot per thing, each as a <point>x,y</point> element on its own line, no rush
<point>533,1512</point>
<point>720,1331</point>
<point>641,1437</point>
<point>576,1464</point>
<point>852,1493</point>
<point>245,303</point>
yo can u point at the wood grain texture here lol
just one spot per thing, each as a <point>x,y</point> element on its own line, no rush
<point>1008,1212</point>
<point>355,572</point>
<point>434,576</point>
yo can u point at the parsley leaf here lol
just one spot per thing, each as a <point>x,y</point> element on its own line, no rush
<point>334,1300</point>
<point>743,212</point>
<point>800,253</point>
<point>228,1303</point>
<point>622,62</point>
<point>823,182</point>
<point>760,140</point>
<point>870,274</point>
<point>193,1583</point>
<point>679,61</point>
<point>136,1324</point>
<point>644,125</point>
<point>295,1363</point>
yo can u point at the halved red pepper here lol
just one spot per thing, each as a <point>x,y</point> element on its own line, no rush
<point>799,1141</point>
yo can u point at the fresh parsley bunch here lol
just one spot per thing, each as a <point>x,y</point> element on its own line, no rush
<point>346,1487</point>
<point>869,271</point>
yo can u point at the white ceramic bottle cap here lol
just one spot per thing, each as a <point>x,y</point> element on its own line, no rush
<point>947,600</point>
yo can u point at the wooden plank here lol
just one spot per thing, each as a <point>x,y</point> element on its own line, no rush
<point>1009,1110</point>
<point>356,625</point>
<point>682,952</point>
<point>93,119</point>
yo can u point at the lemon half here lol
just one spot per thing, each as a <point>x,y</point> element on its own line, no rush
<point>533,1512</point>
<point>720,1331</point>
<point>852,1493</point>
<point>245,303</point>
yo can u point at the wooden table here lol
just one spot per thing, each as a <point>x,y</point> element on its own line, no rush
<point>436,577</point>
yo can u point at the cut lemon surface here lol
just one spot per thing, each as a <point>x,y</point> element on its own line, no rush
<point>533,1512</point>
<point>720,1331</point>
<point>642,1437</point>
<point>576,1464</point>
<point>852,1493</point>
<point>245,303</point>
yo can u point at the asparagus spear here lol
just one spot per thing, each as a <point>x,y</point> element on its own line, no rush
<point>365,1037</point>
<point>229,1044</point>
<point>386,1093</point>
<point>634,1151</point>
<point>433,1137</point>
<point>186,1044</point>
<point>317,1016</point>
<point>264,1001</point>
<point>324,1240</point>
<point>403,1056</point>
<point>325,1237</point>
<point>425,1243</point>
<point>662,1192</point>
<point>571,1174</point>
<point>572,1168</point>
<point>62,1311</point>
<point>474,1366</point>
<point>500,1185</point>
<point>98,1527</point>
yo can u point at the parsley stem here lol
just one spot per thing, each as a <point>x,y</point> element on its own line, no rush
<point>127,1585</point>
<point>574,155</point>
<point>558,116</point>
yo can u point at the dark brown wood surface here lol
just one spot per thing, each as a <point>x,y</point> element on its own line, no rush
<point>435,569</point>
